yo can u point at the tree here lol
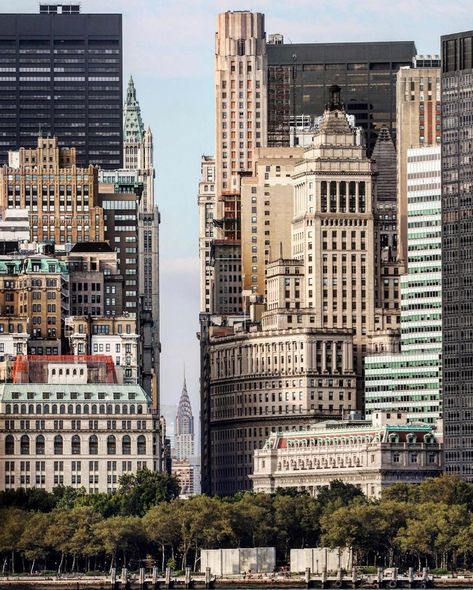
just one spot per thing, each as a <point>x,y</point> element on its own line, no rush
<point>32,542</point>
<point>162,527</point>
<point>123,534</point>
<point>13,523</point>
<point>251,520</point>
<point>338,494</point>
<point>140,491</point>
<point>203,522</point>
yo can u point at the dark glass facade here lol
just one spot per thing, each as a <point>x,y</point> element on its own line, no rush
<point>61,74</point>
<point>457,252</point>
<point>300,75</point>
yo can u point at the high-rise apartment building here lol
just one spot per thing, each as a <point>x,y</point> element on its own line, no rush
<point>410,381</point>
<point>267,206</point>
<point>62,75</point>
<point>61,198</point>
<point>418,124</point>
<point>457,251</point>
<point>300,76</point>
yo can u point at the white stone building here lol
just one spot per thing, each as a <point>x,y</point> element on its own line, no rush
<point>79,435</point>
<point>371,454</point>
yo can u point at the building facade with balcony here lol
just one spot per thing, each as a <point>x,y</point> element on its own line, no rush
<point>370,454</point>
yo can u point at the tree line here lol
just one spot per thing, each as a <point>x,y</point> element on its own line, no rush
<point>145,523</point>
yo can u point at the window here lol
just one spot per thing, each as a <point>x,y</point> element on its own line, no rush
<point>126,445</point>
<point>25,445</point>
<point>40,444</point>
<point>9,445</point>
<point>111,445</point>
<point>93,445</point>
<point>75,445</point>
<point>58,445</point>
<point>141,445</point>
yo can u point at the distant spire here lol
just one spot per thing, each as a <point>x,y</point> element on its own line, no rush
<point>133,127</point>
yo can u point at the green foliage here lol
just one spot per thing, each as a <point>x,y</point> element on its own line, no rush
<point>140,491</point>
<point>430,524</point>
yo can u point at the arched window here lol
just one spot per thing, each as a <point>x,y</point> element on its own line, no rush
<point>93,445</point>
<point>109,409</point>
<point>124,409</point>
<point>111,445</point>
<point>141,445</point>
<point>38,408</point>
<point>75,444</point>
<point>23,408</point>
<point>126,445</point>
<point>40,444</point>
<point>31,409</point>
<point>54,409</point>
<point>86,408</point>
<point>25,445</point>
<point>101,409</point>
<point>94,409</point>
<point>62,409</point>
<point>58,445</point>
<point>9,445</point>
<point>46,408</point>
<point>132,409</point>
<point>139,409</point>
<point>8,409</point>
<point>78,409</point>
<point>70,409</point>
<point>15,409</point>
<point>117,410</point>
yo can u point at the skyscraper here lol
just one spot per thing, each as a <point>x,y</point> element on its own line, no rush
<point>300,76</point>
<point>457,251</point>
<point>410,380</point>
<point>62,74</point>
<point>418,124</point>
<point>184,431</point>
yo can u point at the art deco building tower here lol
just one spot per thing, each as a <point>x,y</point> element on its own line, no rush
<point>184,435</point>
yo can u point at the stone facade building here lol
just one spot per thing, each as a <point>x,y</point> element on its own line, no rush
<point>35,290</point>
<point>115,336</point>
<point>74,433</point>
<point>370,454</point>
<point>62,198</point>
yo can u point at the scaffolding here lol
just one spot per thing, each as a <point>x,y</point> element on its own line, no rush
<point>35,368</point>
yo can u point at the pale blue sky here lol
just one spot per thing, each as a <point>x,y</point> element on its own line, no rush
<point>169,49</point>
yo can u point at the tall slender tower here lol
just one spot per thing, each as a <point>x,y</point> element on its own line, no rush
<point>138,156</point>
<point>457,252</point>
<point>184,435</point>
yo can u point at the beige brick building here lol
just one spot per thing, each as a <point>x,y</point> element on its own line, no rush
<point>267,205</point>
<point>418,115</point>
<point>60,197</point>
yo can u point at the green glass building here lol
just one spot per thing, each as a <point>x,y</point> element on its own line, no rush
<point>410,381</point>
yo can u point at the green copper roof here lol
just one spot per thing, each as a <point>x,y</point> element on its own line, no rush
<point>133,128</point>
<point>60,393</point>
<point>32,264</point>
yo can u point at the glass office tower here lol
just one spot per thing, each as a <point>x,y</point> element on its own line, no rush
<point>457,251</point>
<point>61,74</point>
<point>300,75</point>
